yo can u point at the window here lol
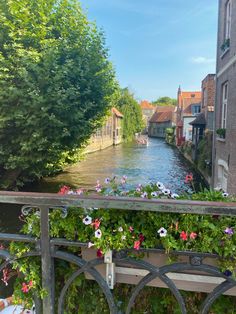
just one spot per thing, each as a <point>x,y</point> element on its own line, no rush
<point>224,105</point>
<point>227,19</point>
<point>204,102</point>
<point>196,110</point>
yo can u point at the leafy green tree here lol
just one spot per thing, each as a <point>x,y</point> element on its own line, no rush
<point>165,101</point>
<point>133,120</point>
<point>55,85</point>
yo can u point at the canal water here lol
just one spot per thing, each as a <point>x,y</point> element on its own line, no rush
<point>140,163</point>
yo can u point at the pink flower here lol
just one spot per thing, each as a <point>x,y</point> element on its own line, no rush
<point>123,179</point>
<point>98,187</point>
<point>25,287</point>
<point>137,245</point>
<point>79,192</point>
<point>188,178</point>
<point>64,190</point>
<point>184,236</point>
<point>96,224</point>
<point>193,235</point>
<point>131,229</point>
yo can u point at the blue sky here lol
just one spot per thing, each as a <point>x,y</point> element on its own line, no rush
<point>157,45</point>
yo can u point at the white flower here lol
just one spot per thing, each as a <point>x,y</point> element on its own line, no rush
<point>87,220</point>
<point>90,244</point>
<point>98,233</point>
<point>166,192</point>
<point>162,232</point>
<point>154,194</point>
<point>71,192</point>
<point>160,185</point>
<point>120,229</point>
<point>225,194</point>
<point>123,237</point>
<point>144,195</point>
<point>174,195</point>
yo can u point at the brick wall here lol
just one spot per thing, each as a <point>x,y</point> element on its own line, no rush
<point>224,153</point>
<point>208,99</point>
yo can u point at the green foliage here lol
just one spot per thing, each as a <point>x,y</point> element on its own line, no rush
<point>133,121</point>
<point>221,132</point>
<point>106,229</point>
<point>55,85</point>
<point>165,101</point>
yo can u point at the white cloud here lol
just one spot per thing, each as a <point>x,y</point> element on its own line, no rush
<point>202,60</point>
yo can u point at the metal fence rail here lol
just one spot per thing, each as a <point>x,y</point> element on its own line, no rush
<point>49,249</point>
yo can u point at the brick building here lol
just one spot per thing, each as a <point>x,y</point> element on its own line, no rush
<point>147,111</point>
<point>184,101</point>
<point>224,150</point>
<point>208,99</point>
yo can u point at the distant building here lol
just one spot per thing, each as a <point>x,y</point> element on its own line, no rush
<point>147,110</point>
<point>109,134</point>
<point>160,121</point>
<point>224,152</point>
<point>188,115</point>
<point>184,100</point>
<point>208,99</point>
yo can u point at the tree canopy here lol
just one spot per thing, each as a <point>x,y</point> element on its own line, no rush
<point>165,101</point>
<point>55,85</point>
<point>133,121</point>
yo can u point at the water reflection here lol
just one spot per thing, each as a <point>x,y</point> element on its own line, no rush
<point>141,164</point>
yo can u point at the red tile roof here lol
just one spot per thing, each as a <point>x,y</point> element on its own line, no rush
<point>146,105</point>
<point>187,98</point>
<point>117,112</point>
<point>162,116</point>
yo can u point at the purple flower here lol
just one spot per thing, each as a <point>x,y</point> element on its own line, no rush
<point>107,180</point>
<point>228,273</point>
<point>229,231</point>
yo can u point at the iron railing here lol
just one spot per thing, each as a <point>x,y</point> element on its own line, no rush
<point>49,249</point>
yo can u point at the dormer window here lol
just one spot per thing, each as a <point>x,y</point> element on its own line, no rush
<point>227,19</point>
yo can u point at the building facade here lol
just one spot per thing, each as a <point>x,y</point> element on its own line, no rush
<point>160,121</point>
<point>147,111</point>
<point>208,99</point>
<point>184,101</point>
<point>109,134</point>
<point>224,150</point>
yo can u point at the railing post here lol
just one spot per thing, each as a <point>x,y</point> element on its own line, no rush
<point>46,262</point>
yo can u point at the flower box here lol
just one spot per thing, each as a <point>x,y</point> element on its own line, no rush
<point>195,279</point>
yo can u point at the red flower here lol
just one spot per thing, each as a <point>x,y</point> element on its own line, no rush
<point>25,287</point>
<point>64,190</point>
<point>137,245</point>
<point>30,284</point>
<point>99,253</point>
<point>96,223</point>
<point>188,178</point>
<point>193,235</point>
<point>184,236</point>
<point>141,238</point>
